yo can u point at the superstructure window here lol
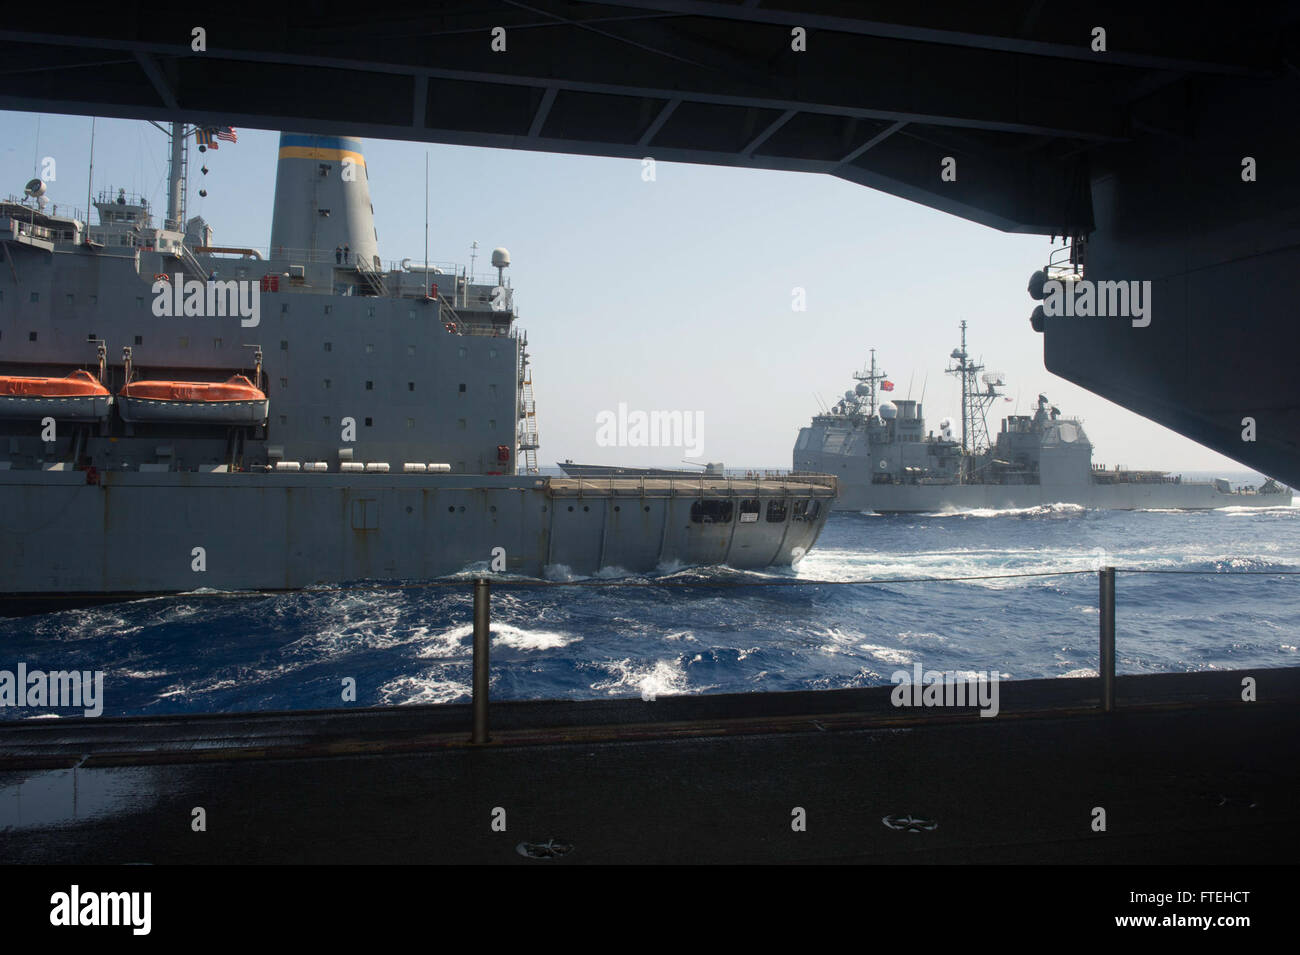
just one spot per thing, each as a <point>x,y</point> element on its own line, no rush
<point>776,512</point>
<point>370,386</point>
<point>806,510</point>
<point>31,336</point>
<point>36,297</point>
<point>284,345</point>
<point>139,339</point>
<point>71,299</point>
<point>711,512</point>
<point>329,346</point>
<point>460,424</point>
<point>410,386</point>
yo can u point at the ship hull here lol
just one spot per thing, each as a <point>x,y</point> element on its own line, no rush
<point>136,533</point>
<point>916,498</point>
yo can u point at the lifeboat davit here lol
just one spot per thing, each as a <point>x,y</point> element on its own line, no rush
<point>78,397</point>
<point>233,401</point>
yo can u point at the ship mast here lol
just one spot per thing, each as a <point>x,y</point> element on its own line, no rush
<point>871,378</point>
<point>975,402</point>
<point>176,179</point>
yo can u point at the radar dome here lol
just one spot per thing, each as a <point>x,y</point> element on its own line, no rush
<point>500,258</point>
<point>848,396</point>
<point>888,411</point>
<point>862,390</point>
<point>945,424</point>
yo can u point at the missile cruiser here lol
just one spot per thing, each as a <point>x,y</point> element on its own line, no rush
<point>178,415</point>
<point>886,462</point>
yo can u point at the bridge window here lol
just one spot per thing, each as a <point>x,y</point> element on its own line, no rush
<point>711,512</point>
<point>776,512</point>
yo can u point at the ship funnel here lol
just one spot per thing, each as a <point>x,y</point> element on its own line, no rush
<point>322,200</point>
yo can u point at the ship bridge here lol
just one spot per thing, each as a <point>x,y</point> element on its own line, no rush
<point>1163,149</point>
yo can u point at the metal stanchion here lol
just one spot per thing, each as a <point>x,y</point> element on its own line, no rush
<point>1106,658</point>
<point>482,617</point>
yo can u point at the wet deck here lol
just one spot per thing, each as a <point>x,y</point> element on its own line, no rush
<point>1185,771</point>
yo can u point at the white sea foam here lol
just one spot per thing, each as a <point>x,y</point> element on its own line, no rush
<point>648,679</point>
<point>423,688</point>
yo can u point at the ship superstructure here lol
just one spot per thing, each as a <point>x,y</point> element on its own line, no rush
<point>306,415</point>
<point>886,461</point>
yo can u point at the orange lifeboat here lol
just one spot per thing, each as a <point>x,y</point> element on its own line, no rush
<point>79,396</point>
<point>233,401</point>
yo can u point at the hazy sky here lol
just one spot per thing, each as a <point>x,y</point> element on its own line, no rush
<point>666,295</point>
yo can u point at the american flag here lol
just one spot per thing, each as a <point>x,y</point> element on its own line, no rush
<point>226,134</point>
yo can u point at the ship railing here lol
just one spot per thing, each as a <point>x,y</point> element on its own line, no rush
<point>1098,689</point>
<point>818,485</point>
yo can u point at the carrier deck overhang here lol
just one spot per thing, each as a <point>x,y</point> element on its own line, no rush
<point>1185,770</point>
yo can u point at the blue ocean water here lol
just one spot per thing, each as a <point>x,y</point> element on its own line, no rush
<point>719,630</point>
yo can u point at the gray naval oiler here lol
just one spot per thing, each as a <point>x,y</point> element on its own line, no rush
<point>886,462</point>
<point>378,431</point>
